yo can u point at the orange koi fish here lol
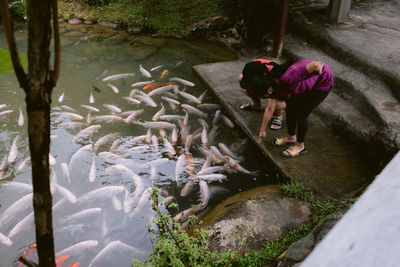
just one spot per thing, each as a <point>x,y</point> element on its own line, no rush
<point>75,264</point>
<point>61,260</point>
<point>156,85</point>
<point>163,73</point>
<point>189,163</point>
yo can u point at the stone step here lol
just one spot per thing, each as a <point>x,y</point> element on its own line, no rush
<point>360,43</point>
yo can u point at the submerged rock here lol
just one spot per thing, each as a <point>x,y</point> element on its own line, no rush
<point>74,21</point>
<point>261,215</point>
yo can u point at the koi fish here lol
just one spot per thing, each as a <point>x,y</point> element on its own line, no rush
<point>139,84</point>
<point>156,85</point>
<point>163,74</point>
<point>20,118</point>
<point>118,76</point>
<point>144,71</point>
<point>114,88</point>
<point>182,81</point>
<point>61,98</point>
<point>156,67</point>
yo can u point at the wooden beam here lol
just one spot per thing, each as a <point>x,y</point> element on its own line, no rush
<point>283,7</point>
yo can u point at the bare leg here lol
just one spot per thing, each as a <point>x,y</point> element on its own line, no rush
<point>278,113</point>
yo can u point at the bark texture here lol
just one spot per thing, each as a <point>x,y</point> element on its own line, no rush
<point>38,85</point>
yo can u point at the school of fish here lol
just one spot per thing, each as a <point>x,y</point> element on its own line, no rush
<point>181,124</point>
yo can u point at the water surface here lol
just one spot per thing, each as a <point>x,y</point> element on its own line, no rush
<point>90,53</point>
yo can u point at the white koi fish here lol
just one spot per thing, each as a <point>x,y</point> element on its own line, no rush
<point>104,140</point>
<point>107,118</point>
<point>23,224</point>
<point>118,76</point>
<point>72,116</point>
<point>113,248</point>
<point>78,249</point>
<point>179,167</point>
<point>101,193</point>
<point>78,152</point>
<point>65,169</point>
<point>159,113</point>
<point>87,132</point>
<point>144,71</point>
<point>91,98</point>
<point>4,106</point>
<point>146,99</point>
<point>18,207</point>
<point>194,110</point>
<point>161,90</point>
<point>12,156</point>
<point>227,121</point>
<point>140,84</point>
<point>156,124</point>
<point>20,187</point>
<point>190,98</point>
<point>182,81</point>
<point>156,67</point>
<point>3,113</point>
<point>90,108</point>
<point>61,98</point>
<point>227,151</point>
<point>21,118</point>
<point>236,166</point>
<point>114,88</point>
<point>112,108</point>
<point>132,100</point>
<point>65,193</point>
<point>5,240</point>
<point>92,172</point>
<point>212,177</point>
<point>67,108</point>
<point>143,201</point>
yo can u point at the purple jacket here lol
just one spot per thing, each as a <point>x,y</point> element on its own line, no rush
<point>300,81</point>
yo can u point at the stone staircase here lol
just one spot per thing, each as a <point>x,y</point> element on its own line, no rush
<point>364,104</point>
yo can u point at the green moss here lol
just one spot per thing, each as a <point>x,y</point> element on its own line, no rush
<point>6,64</point>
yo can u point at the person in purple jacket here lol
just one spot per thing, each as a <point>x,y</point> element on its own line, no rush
<point>303,84</point>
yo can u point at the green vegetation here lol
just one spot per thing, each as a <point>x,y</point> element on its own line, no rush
<point>174,247</point>
<point>169,17</point>
<point>17,7</point>
<point>6,64</point>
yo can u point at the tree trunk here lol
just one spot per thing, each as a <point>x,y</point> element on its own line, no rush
<point>38,100</point>
<point>38,85</point>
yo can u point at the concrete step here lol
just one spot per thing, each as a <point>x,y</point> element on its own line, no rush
<point>361,42</point>
<point>366,107</point>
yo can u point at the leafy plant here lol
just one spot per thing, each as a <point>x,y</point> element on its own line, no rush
<point>174,247</point>
<point>17,7</point>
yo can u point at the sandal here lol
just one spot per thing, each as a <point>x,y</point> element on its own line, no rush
<point>249,107</point>
<point>276,122</point>
<point>280,141</point>
<point>292,153</point>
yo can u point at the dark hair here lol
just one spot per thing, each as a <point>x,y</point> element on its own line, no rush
<point>256,85</point>
<point>280,90</point>
<point>255,78</point>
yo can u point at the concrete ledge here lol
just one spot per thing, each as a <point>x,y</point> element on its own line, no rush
<point>369,233</point>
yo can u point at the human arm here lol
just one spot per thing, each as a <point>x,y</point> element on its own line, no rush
<point>299,78</point>
<point>269,111</point>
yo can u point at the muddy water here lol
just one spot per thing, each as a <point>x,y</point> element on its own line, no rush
<point>89,54</point>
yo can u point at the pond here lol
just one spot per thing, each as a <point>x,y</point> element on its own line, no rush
<point>101,185</point>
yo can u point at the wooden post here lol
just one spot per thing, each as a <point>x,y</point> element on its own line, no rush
<point>283,7</point>
<point>338,10</point>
